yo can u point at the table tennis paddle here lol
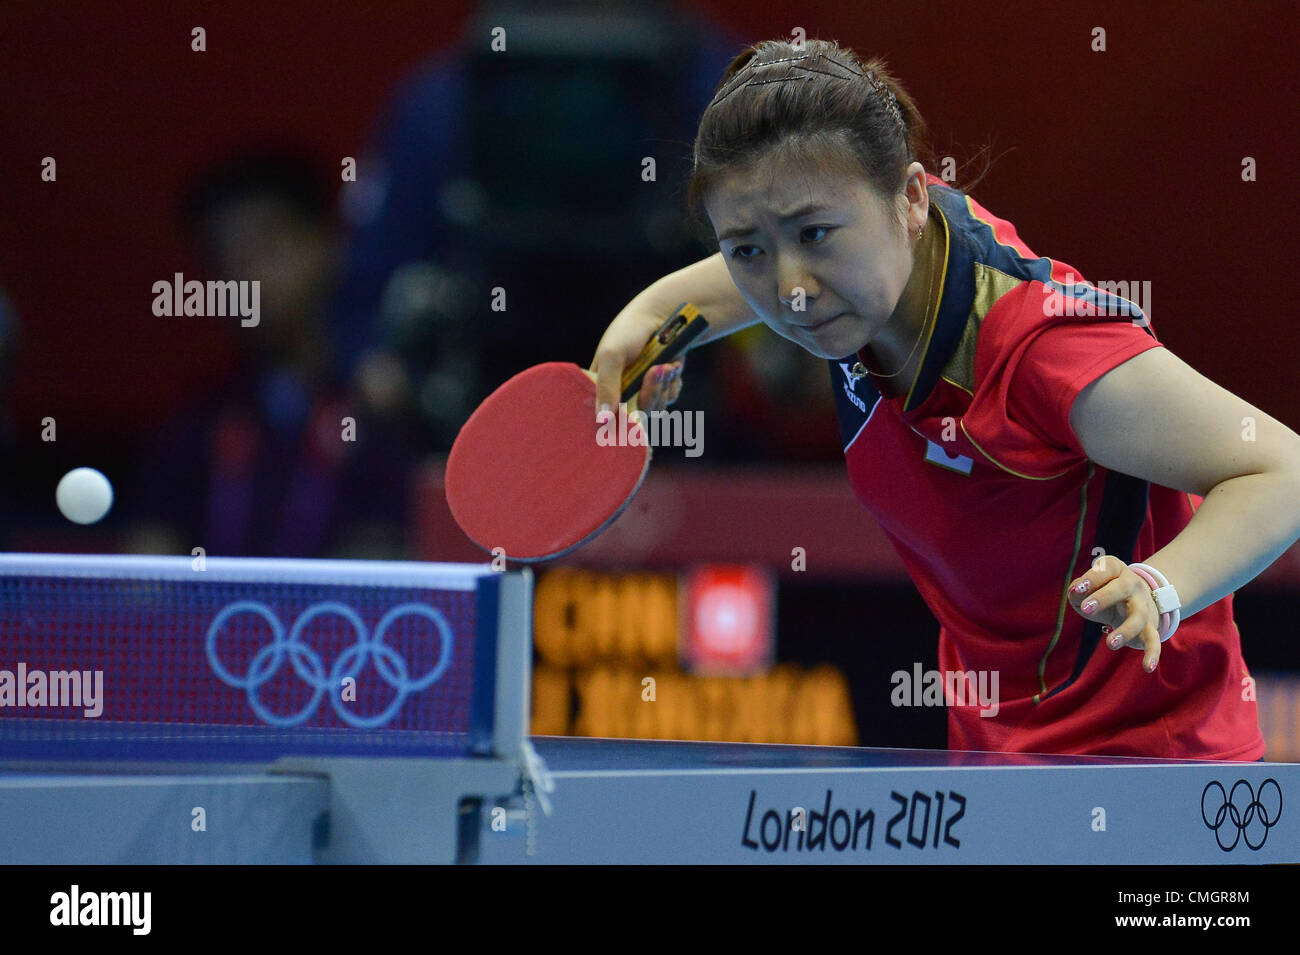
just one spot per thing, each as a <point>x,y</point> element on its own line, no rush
<point>526,473</point>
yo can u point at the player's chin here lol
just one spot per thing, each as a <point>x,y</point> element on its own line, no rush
<point>830,343</point>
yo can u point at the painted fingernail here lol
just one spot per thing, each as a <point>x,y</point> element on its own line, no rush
<point>1114,642</point>
<point>1082,586</point>
<point>1150,667</point>
<point>1089,606</point>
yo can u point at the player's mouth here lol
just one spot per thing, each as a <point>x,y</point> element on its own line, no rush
<point>826,324</point>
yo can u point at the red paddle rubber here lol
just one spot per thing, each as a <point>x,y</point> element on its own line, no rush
<point>527,473</point>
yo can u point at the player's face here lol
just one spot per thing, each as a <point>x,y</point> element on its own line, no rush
<point>781,229</point>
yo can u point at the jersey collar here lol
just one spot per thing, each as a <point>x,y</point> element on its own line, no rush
<point>949,304</point>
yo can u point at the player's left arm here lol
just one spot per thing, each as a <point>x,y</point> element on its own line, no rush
<point>1156,418</point>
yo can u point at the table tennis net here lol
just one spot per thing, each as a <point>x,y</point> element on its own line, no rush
<point>197,666</point>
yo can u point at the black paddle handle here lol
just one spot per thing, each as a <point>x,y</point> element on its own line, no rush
<point>671,340</point>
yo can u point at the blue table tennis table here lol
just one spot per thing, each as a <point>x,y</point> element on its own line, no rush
<point>641,801</point>
<point>436,783</point>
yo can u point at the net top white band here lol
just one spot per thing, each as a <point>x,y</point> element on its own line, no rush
<point>361,573</point>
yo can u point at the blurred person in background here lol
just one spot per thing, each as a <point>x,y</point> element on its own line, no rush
<point>519,169</point>
<point>268,465</point>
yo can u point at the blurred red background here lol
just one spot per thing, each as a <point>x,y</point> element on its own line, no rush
<point>1126,164</point>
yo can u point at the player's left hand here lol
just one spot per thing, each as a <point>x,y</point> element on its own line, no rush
<point>1123,605</point>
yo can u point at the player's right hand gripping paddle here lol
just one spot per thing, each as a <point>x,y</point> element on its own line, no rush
<point>527,473</point>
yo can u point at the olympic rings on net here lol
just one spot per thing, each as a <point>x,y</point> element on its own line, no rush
<point>310,668</point>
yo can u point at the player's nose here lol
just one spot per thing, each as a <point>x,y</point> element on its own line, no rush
<point>796,289</point>
<point>797,295</point>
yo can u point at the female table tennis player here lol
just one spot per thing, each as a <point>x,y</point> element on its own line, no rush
<point>1059,485</point>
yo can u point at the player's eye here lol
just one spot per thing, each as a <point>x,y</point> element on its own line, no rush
<point>813,234</point>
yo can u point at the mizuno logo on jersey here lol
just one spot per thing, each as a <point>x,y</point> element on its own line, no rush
<point>850,384</point>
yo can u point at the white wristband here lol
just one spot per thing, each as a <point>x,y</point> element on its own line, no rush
<point>1165,597</point>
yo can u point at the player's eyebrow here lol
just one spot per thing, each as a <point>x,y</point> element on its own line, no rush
<point>739,232</point>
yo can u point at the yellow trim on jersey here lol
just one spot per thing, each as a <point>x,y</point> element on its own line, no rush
<point>1065,591</point>
<point>957,385</point>
<point>932,306</point>
<point>1027,477</point>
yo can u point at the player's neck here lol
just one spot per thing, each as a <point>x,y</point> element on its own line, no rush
<point>896,362</point>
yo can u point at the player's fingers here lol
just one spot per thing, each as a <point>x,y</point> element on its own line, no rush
<point>652,388</point>
<point>674,391</point>
<point>1138,631</point>
<point>1150,648</point>
<point>669,388</point>
<point>608,367</point>
<point>672,381</point>
<point>657,386</point>
<point>1104,604</point>
<point>1129,630</point>
<point>1103,570</point>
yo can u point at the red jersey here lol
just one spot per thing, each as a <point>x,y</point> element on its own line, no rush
<point>981,485</point>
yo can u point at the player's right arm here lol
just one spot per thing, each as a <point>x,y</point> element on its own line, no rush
<point>705,284</point>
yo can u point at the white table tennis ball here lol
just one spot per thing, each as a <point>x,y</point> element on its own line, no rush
<point>84,495</point>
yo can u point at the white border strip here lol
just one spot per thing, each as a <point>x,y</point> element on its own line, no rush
<point>757,770</point>
<point>364,573</point>
<point>870,414</point>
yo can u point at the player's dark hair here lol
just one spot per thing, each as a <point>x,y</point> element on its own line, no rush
<point>292,178</point>
<point>818,105</point>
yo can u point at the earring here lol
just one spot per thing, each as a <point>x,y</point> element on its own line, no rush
<point>918,233</point>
